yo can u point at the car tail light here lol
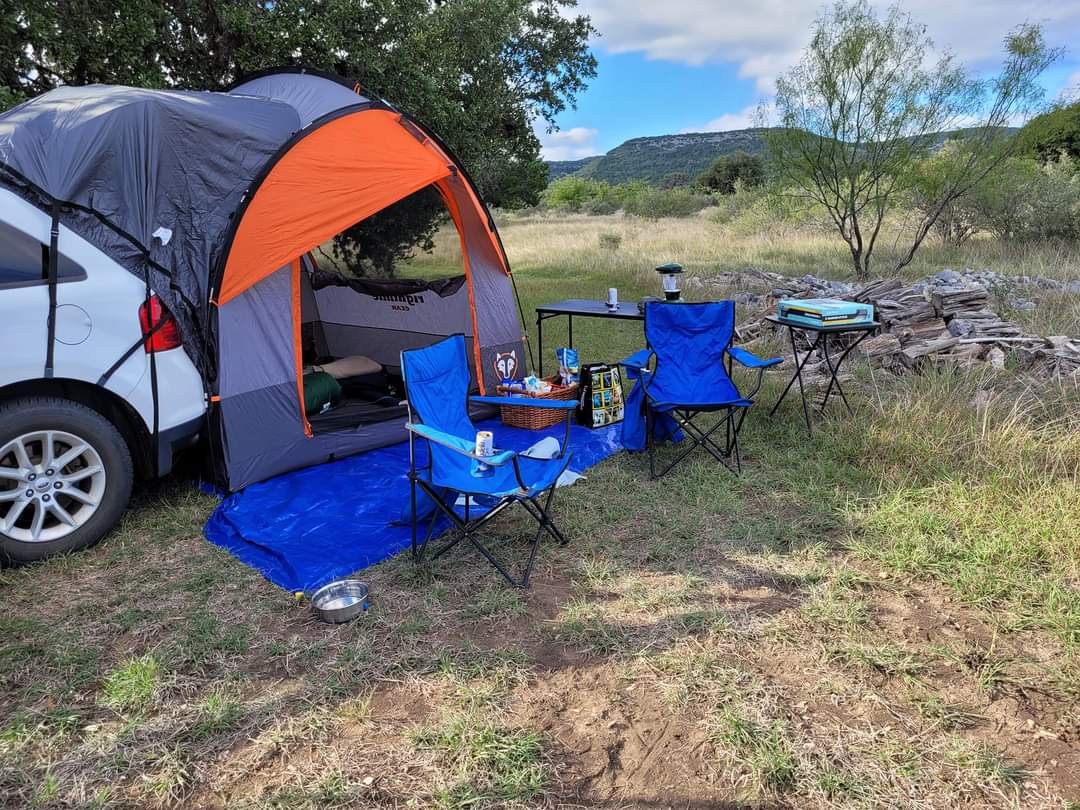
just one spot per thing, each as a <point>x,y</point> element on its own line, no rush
<point>165,338</point>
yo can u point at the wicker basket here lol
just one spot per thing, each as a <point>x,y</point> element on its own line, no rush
<point>522,416</point>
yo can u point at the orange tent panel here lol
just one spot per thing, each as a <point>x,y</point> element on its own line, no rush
<point>339,174</point>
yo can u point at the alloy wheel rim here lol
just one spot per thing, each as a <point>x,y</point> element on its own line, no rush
<point>51,483</point>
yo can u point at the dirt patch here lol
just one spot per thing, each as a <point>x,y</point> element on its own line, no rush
<point>619,744</point>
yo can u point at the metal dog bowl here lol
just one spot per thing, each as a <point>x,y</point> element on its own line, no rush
<point>340,601</point>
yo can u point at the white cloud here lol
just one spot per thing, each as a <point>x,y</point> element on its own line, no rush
<point>750,116</point>
<point>764,37</point>
<point>569,144</point>
<point>1070,91</point>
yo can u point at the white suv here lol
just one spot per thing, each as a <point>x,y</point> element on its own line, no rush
<point>71,444</point>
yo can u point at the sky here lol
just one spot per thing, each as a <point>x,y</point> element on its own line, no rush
<point>668,66</point>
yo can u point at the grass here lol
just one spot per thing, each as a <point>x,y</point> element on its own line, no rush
<point>132,686</point>
<point>587,627</point>
<point>763,749</point>
<point>487,764</point>
<point>839,627</point>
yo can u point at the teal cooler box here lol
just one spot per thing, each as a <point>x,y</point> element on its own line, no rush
<point>815,313</point>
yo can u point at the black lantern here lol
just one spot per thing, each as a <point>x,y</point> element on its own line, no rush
<point>669,276</point>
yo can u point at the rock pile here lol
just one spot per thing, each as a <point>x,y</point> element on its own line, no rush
<point>948,318</point>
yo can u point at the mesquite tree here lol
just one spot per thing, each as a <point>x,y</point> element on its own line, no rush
<point>866,102</point>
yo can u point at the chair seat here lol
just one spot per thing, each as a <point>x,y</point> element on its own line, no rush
<point>717,395</point>
<point>537,473</point>
<point>664,407</point>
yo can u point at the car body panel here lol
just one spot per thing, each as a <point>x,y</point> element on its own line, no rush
<point>97,323</point>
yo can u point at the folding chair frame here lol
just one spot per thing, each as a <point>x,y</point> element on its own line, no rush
<point>467,528</point>
<point>699,437</point>
<point>684,415</point>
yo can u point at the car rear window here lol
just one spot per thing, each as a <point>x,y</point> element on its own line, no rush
<point>24,260</point>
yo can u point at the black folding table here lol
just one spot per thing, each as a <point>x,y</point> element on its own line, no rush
<point>822,334</point>
<point>583,308</point>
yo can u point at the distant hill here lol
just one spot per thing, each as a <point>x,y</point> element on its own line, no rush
<point>561,168</point>
<point>654,157</point>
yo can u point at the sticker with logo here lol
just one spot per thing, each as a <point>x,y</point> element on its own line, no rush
<point>506,365</point>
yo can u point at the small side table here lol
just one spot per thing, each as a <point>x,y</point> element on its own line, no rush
<point>822,339</point>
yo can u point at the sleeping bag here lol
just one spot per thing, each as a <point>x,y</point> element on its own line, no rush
<point>321,392</point>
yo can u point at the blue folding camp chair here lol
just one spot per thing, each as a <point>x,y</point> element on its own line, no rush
<point>690,351</point>
<point>437,390</point>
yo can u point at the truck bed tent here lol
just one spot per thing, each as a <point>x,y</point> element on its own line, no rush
<point>219,200</point>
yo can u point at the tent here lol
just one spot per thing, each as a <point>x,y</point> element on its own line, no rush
<point>220,200</point>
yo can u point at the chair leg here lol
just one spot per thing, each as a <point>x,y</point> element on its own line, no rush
<point>735,443</point>
<point>701,438</point>
<point>650,442</point>
<point>412,502</point>
<point>546,520</point>
<point>468,529</point>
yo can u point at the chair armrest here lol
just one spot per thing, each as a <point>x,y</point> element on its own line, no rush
<point>751,360</point>
<point>638,361</point>
<point>458,445</point>
<point>549,404</point>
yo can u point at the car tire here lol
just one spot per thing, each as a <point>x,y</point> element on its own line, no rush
<point>102,474</point>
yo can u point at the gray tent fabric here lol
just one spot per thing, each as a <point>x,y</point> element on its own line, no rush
<point>160,180</point>
<point>168,168</point>
<point>383,323</point>
<point>311,96</point>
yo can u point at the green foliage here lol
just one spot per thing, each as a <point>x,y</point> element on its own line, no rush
<point>1028,202</point>
<point>572,193</point>
<point>674,180</point>
<point>1020,200</point>
<point>1053,133</point>
<point>372,248</point>
<point>656,203</point>
<point>865,104</point>
<point>749,204</point>
<point>9,98</point>
<point>958,219</point>
<point>478,72</point>
<point>561,168</point>
<point>578,194</point>
<point>732,171</point>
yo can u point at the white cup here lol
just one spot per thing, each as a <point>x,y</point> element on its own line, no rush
<point>612,298</point>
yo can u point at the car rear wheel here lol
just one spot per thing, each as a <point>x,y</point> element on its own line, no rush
<point>65,477</point>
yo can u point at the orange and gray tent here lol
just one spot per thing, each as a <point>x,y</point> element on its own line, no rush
<point>221,202</point>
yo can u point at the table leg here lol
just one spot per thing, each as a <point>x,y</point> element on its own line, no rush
<point>540,341</point>
<point>798,377</point>
<point>832,380</point>
<point>834,372</point>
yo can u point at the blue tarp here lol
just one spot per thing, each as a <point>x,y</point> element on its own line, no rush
<point>305,528</point>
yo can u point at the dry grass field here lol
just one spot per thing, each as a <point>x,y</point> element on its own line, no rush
<point>886,615</point>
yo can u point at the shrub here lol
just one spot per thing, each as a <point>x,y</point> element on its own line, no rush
<point>1055,132</point>
<point>958,220</point>
<point>599,206</point>
<point>730,171</point>
<point>658,203</point>
<point>1026,201</point>
<point>730,207</point>
<point>571,193</point>
<point>674,180</point>
<point>610,241</point>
